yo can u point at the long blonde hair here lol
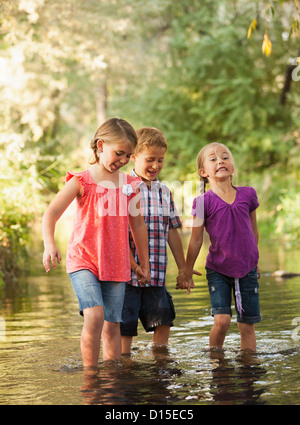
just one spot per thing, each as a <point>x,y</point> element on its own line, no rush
<point>201,158</point>
<point>113,130</point>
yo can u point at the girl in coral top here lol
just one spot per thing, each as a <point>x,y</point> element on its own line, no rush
<point>98,256</point>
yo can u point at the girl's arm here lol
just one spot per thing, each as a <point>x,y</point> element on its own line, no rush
<point>137,269</point>
<point>255,231</point>
<point>140,236</point>
<point>254,225</point>
<point>194,249</point>
<point>60,203</point>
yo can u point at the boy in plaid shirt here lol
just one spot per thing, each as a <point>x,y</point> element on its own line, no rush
<point>151,302</point>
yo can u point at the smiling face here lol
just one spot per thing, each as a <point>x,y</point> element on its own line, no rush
<point>149,162</point>
<point>114,155</point>
<point>217,163</point>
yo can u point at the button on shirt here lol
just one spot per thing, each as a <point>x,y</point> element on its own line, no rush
<point>159,211</point>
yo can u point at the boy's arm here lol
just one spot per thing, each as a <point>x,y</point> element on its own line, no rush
<point>176,247</point>
<point>255,231</point>
<point>50,217</point>
<point>175,243</point>
<point>194,247</point>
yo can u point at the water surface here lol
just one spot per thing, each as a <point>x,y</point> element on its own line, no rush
<point>40,361</point>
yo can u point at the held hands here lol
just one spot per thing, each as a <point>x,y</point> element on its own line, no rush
<point>184,282</point>
<point>50,254</point>
<point>142,274</point>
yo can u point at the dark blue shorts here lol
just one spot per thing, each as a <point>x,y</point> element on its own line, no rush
<point>221,288</point>
<point>153,305</point>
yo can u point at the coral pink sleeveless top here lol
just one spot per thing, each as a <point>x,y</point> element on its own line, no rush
<point>100,241</point>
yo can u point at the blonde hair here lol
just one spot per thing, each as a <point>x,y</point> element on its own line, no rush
<point>201,158</point>
<point>113,130</point>
<point>148,137</point>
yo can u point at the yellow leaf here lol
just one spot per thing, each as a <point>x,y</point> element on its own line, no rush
<point>252,27</point>
<point>267,45</point>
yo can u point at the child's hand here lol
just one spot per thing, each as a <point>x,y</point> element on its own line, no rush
<point>188,285</point>
<point>183,282</point>
<point>50,254</point>
<point>143,275</point>
<point>197,273</point>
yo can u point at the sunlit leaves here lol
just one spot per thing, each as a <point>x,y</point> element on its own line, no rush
<point>284,13</point>
<point>252,27</point>
<point>267,45</point>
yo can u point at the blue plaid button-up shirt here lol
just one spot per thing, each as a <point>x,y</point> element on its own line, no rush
<point>159,211</point>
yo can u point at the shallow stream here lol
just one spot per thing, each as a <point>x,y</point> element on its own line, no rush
<point>40,361</point>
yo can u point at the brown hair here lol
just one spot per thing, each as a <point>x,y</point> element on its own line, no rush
<point>113,130</point>
<point>150,136</point>
<point>201,158</point>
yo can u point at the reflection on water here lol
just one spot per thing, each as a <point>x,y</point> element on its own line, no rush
<point>40,361</point>
<point>132,381</point>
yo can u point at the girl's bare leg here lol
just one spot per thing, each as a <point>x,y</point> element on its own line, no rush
<point>111,341</point>
<point>248,337</point>
<point>91,335</point>
<point>219,330</point>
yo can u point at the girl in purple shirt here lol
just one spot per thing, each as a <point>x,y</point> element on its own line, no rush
<point>228,214</point>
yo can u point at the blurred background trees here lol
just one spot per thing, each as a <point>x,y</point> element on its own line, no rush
<point>185,67</point>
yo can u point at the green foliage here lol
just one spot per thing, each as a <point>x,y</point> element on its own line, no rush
<point>16,214</point>
<point>288,217</point>
<point>215,85</point>
<point>186,67</point>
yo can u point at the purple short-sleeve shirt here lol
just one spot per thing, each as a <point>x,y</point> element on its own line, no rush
<point>233,250</point>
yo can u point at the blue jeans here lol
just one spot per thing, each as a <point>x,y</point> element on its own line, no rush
<point>220,291</point>
<point>91,292</point>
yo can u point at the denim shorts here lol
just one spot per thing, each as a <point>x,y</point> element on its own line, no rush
<point>153,305</point>
<point>91,292</point>
<point>221,288</point>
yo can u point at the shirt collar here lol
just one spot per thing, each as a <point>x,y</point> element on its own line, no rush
<point>155,182</point>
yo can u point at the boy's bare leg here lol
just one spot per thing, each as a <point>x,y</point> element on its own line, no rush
<point>126,342</point>
<point>161,335</point>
